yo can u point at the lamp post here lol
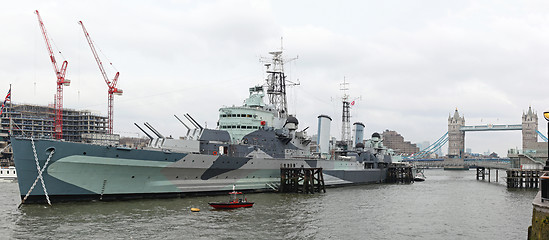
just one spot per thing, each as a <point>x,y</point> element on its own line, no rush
<point>544,179</point>
<point>546,116</point>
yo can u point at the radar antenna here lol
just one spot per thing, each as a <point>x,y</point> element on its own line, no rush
<point>276,82</point>
<point>346,115</point>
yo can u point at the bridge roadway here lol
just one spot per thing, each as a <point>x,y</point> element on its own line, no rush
<point>494,163</point>
<point>491,127</point>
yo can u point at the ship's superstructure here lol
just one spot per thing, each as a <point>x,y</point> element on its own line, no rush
<point>250,145</point>
<point>253,115</point>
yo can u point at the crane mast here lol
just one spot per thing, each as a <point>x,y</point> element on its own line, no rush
<point>110,84</point>
<point>61,81</point>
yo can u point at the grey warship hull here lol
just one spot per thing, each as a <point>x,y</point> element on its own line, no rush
<point>248,147</point>
<point>78,171</point>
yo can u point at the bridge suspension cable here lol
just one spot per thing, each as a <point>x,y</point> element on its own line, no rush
<point>542,136</point>
<point>433,147</point>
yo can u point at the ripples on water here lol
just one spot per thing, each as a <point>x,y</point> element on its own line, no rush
<point>449,205</point>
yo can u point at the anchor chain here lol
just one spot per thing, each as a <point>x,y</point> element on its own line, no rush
<point>40,171</point>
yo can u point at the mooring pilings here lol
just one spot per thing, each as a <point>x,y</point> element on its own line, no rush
<point>523,178</point>
<point>516,178</point>
<point>301,180</point>
<point>398,173</point>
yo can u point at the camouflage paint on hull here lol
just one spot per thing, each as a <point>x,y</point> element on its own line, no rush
<point>79,171</point>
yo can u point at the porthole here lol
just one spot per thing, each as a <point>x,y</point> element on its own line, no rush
<point>116,155</point>
<point>133,176</point>
<point>176,176</point>
<point>84,153</point>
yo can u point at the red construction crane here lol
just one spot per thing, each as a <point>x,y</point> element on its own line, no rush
<point>110,84</point>
<point>61,81</point>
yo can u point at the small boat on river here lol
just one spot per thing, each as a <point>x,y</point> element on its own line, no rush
<point>420,177</point>
<point>236,200</point>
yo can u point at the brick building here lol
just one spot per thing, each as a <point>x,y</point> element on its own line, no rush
<point>395,141</point>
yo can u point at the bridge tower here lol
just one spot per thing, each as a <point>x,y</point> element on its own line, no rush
<point>456,137</point>
<point>529,129</point>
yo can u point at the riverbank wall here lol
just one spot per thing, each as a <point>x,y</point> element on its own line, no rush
<point>540,219</point>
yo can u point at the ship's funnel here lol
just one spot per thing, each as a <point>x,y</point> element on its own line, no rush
<point>358,128</point>
<point>323,141</point>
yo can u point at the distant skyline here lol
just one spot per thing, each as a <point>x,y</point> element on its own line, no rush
<point>412,63</point>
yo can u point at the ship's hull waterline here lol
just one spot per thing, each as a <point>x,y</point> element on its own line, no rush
<point>78,171</point>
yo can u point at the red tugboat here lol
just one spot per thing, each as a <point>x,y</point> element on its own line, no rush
<point>236,200</point>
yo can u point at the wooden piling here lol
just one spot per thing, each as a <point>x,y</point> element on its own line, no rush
<point>398,173</point>
<point>523,178</point>
<point>481,173</point>
<point>302,180</point>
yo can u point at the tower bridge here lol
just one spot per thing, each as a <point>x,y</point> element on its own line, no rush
<point>457,129</point>
<point>533,152</point>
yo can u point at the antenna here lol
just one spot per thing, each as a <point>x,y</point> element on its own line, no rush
<point>346,115</point>
<point>276,81</point>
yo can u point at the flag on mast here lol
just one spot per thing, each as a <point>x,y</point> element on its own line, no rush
<point>8,98</point>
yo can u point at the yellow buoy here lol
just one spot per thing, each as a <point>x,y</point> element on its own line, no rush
<point>195,209</point>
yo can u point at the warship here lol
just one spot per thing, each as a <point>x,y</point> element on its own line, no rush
<point>249,146</point>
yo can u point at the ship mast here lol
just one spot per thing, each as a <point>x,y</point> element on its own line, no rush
<point>346,116</point>
<point>276,82</point>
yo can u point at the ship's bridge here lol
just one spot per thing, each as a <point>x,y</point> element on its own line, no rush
<point>254,114</point>
<point>239,121</point>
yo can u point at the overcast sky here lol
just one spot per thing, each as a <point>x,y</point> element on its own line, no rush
<point>411,63</point>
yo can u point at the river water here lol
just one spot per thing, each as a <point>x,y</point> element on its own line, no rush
<point>449,205</point>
